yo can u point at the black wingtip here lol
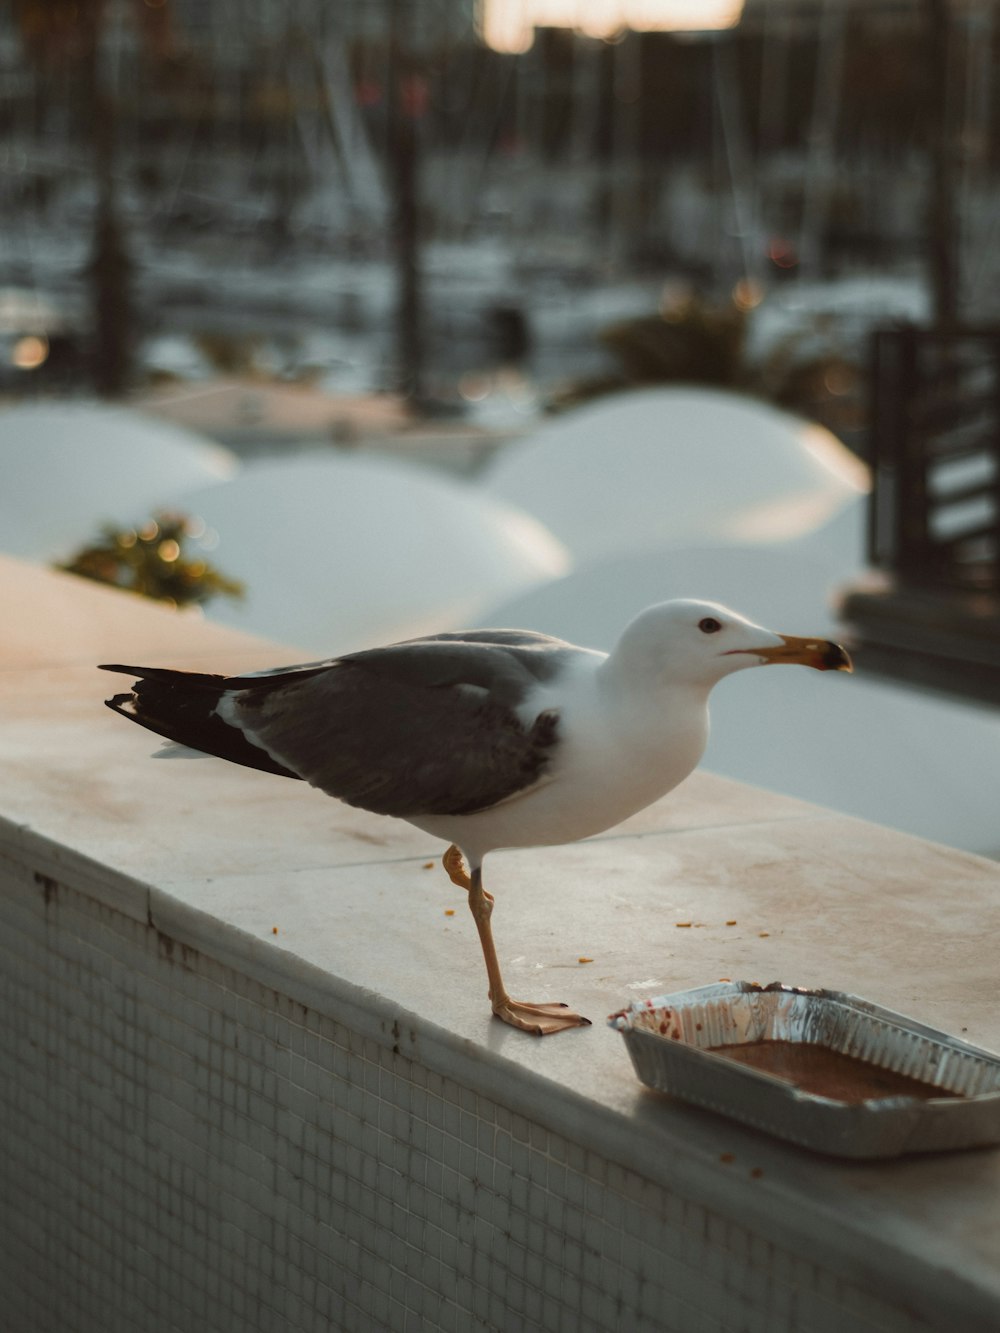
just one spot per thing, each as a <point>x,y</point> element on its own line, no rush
<point>119,703</point>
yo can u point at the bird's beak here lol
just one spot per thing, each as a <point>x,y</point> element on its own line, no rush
<point>819,653</point>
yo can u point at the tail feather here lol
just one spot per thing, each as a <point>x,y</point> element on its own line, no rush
<point>180,706</point>
<point>203,680</point>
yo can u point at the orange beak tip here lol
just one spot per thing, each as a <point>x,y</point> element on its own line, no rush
<point>821,654</point>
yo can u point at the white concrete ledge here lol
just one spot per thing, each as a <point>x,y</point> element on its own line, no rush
<point>236,885</point>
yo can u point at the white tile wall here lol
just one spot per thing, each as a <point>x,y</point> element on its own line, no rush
<point>185,1149</point>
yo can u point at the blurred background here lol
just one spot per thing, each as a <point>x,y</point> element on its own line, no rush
<point>343,322</point>
<point>421,194</point>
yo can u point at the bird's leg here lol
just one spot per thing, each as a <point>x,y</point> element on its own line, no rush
<point>541,1019</point>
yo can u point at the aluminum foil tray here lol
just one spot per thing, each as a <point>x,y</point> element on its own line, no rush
<point>668,1039</point>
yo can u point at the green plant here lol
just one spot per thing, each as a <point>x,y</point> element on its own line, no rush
<point>155,561</point>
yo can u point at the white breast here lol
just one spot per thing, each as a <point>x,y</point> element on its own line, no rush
<point>616,755</point>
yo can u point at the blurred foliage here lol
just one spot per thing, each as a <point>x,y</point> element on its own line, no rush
<point>230,353</point>
<point>826,387</point>
<point>693,341</point>
<point>153,560</point>
<point>690,342</point>
<point>814,372</point>
<point>255,356</point>
<point>697,342</point>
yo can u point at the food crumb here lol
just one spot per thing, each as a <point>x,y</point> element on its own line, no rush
<point>727,1157</point>
<point>429,865</point>
<point>584,960</point>
<point>449,911</point>
<point>274,930</point>
<point>764,934</point>
<point>730,923</point>
<point>682,925</point>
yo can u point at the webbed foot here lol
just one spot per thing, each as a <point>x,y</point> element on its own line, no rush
<point>540,1019</point>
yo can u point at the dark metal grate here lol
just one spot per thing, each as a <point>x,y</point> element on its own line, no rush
<point>935,451</point>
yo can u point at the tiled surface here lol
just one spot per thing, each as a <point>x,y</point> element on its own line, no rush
<point>184,1148</point>
<point>165,1128</point>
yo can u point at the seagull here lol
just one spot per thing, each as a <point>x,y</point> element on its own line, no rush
<point>484,738</point>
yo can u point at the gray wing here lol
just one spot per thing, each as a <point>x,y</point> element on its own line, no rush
<point>422,728</point>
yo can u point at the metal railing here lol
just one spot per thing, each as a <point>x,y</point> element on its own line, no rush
<point>934,520</point>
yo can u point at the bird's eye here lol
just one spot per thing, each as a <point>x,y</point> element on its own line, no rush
<point>709,625</point>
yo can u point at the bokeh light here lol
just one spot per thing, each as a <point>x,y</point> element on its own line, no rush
<point>509,25</point>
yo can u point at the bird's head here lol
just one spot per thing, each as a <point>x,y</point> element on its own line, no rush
<point>700,642</point>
